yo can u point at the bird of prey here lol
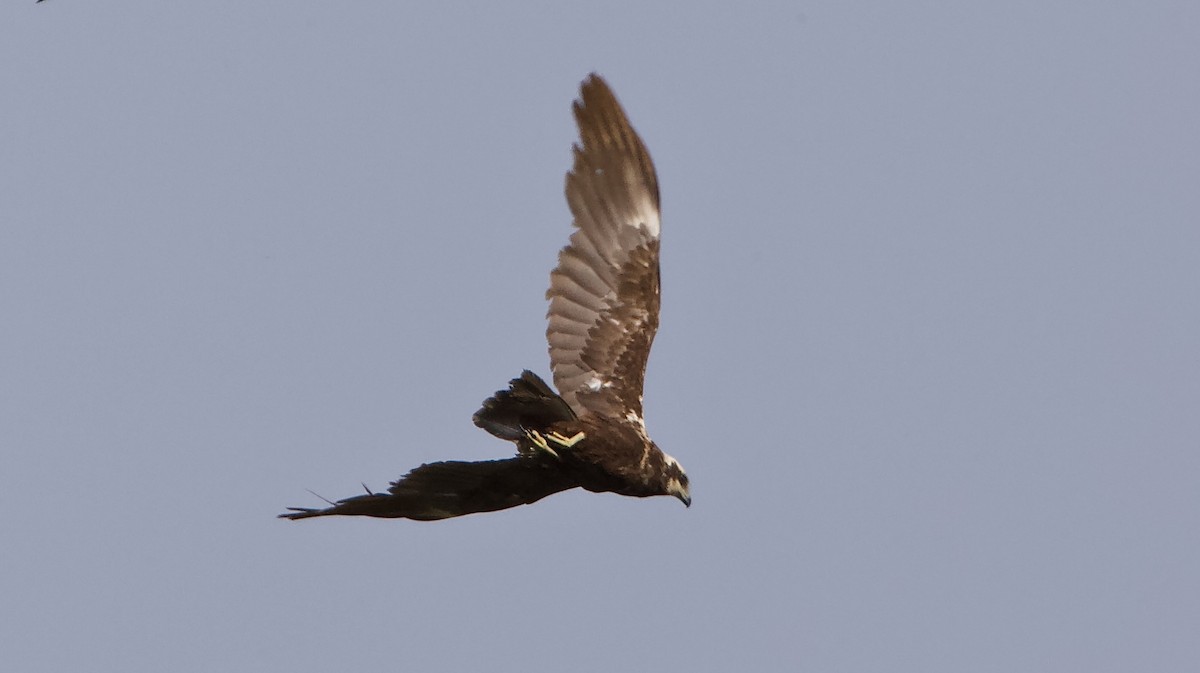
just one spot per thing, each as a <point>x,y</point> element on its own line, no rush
<point>604,299</point>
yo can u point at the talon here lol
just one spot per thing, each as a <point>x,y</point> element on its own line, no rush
<point>539,442</point>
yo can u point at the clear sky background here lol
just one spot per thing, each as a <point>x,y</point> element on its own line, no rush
<point>930,344</point>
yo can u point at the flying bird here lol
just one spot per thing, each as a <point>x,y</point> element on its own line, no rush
<point>604,300</point>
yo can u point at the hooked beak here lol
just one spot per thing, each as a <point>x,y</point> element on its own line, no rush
<point>685,498</point>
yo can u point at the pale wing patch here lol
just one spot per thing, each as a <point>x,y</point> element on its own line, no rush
<point>636,419</point>
<point>648,217</point>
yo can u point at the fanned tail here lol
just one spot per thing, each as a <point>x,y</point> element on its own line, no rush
<point>528,404</point>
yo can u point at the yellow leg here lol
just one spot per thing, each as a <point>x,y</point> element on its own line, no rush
<point>564,441</point>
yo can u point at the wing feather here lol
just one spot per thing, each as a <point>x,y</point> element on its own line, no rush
<point>453,488</point>
<point>604,293</point>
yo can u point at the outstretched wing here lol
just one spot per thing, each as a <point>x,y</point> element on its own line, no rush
<point>453,488</point>
<point>604,293</point>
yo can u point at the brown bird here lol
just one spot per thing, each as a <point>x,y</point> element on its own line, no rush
<point>604,299</point>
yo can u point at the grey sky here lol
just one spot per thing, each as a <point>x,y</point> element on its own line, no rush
<point>930,344</point>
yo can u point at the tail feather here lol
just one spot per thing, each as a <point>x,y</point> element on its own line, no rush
<point>528,404</point>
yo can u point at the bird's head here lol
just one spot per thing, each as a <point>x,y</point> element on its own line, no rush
<point>676,481</point>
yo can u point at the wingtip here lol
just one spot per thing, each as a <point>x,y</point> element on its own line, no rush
<point>295,513</point>
<point>592,87</point>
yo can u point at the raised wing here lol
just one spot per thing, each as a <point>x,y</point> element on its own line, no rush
<point>604,293</point>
